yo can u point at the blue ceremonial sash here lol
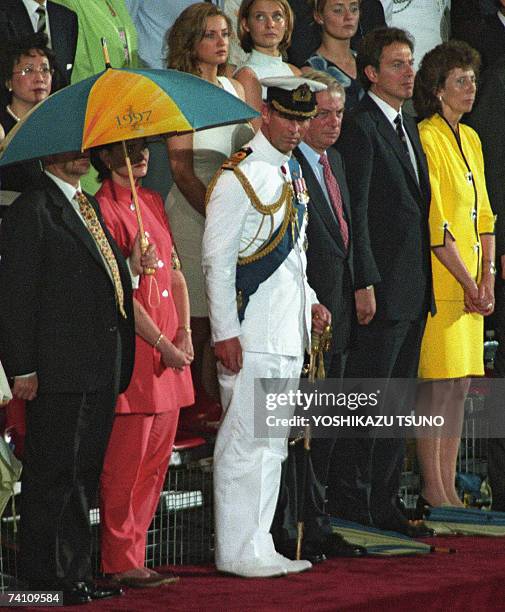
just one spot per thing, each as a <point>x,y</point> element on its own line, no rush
<point>250,276</point>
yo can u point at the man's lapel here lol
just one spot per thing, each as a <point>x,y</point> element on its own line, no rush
<point>318,202</point>
<point>72,221</point>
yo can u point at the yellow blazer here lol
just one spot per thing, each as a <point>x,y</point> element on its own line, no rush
<point>459,201</point>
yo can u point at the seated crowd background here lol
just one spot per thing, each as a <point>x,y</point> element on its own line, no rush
<point>407,297</point>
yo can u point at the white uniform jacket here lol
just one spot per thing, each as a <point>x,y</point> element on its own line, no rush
<point>278,316</point>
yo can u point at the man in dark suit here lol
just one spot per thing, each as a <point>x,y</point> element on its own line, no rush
<point>488,119</point>
<point>67,340</point>
<point>330,273</point>
<point>388,182</point>
<point>21,17</point>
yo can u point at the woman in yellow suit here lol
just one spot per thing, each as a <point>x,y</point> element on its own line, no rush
<point>462,241</point>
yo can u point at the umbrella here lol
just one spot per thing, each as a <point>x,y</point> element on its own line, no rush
<point>5,391</point>
<point>466,521</point>
<point>10,471</point>
<point>119,105</point>
<point>379,542</point>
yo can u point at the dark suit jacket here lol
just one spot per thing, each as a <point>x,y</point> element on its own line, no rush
<point>15,22</point>
<point>390,212</point>
<point>58,313</point>
<point>490,40</point>
<point>328,263</point>
<point>488,119</point>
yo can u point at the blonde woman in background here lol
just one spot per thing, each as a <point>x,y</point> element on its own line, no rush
<point>198,43</point>
<point>264,30</point>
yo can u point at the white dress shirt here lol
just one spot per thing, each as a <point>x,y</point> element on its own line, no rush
<point>391,114</point>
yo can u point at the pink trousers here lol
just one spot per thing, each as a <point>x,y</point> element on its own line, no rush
<point>134,470</point>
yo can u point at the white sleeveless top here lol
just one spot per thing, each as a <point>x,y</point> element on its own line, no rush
<point>265,66</point>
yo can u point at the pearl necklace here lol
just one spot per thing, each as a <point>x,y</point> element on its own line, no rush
<point>12,114</point>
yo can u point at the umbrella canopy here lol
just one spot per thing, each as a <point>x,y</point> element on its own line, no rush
<point>10,471</point>
<point>377,541</point>
<point>118,105</point>
<point>466,521</point>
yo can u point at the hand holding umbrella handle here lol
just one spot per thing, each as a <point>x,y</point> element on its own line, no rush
<point>144,243</point>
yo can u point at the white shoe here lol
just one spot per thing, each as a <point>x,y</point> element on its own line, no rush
<point>255,569</point>
<point>293,567</point>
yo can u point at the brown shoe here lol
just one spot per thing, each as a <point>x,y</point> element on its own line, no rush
<point>142,578</point>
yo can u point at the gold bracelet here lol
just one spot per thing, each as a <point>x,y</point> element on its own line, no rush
<point>160,338</point>
<point>186,328</point>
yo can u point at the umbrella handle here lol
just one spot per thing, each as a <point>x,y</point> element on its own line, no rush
<point>144,242</point>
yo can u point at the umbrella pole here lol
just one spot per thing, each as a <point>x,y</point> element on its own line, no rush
<point>300,523</point>
<point>144,243</point>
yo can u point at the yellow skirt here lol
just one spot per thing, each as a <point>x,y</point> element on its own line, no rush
<point>453,343</point>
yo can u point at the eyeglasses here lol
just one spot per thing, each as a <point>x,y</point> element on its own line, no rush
<point>29,71</point>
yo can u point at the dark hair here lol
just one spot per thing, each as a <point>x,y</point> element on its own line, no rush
<point>246,42</point>
<point>372,45</point>
<point>13,49</point>
<point>103,171</point>
<point>187,31</point>
<point>434,69</point>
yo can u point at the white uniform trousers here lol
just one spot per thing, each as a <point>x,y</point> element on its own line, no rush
<point>247,470</point>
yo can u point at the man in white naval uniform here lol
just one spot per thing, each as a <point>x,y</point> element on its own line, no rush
<point>268,339</point>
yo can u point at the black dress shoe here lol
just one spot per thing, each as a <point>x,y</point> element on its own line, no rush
<point>396,522</point>
<point>422,506</point>
<point>337,546</point>
<point>103,591</point>
<point>75,594</point>
<point>310,551</point>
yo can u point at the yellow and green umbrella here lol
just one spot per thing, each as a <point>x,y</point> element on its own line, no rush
<point>118,105</point>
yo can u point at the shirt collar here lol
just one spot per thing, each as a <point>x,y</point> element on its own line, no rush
<point>501,17</point>
<point>32,6</point>
<point>390,112</point>
<point>68,189</point>
<point>262,145</point>
<point>310,154</point>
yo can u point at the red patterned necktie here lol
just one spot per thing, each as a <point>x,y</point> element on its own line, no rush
<point>335,197</point>
<point>95,229</point>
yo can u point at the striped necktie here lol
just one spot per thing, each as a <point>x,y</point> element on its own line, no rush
<point>42,22</point>
<point>401,132</point>
<point>335,197</point>
<point>90,218</point>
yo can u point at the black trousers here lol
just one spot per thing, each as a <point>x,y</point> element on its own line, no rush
<point>66,439</point>
<point>298,499</point>
<point>496,446</point>
<point>364,475</point>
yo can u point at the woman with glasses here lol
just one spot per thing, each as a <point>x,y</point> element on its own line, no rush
<point>463,260</point>
<point>338,20</point>
<point>147,412</point>
<point>27,68</point>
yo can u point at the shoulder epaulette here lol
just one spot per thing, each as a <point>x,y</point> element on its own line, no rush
<point>236,158</point>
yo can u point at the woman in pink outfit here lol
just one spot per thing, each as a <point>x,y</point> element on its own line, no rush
<point>147,413</point>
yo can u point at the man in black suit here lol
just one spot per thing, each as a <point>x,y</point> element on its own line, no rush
<point>21,17</point>
<point>67,340</point>
<point>490,41</point>
<point>388,182</point>
<point>330,273</point>
<point>488,119</point>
